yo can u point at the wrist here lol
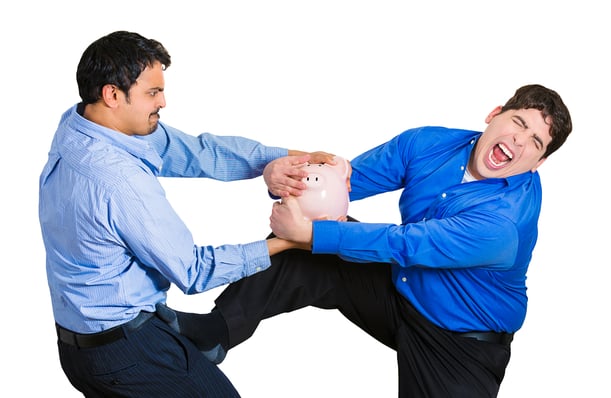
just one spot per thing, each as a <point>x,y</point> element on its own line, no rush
<point>276,245</point>
<point>309,234</point>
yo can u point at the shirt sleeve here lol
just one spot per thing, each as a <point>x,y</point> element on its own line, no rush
<point>144,220</point>
<point>225,158</point>
<point>380,169</point>
<point>476,239</point>
<point>479,236</point>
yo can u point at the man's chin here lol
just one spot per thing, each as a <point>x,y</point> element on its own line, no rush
<point>153,128</point>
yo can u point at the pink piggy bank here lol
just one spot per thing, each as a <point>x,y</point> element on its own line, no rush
<point>326,194</point>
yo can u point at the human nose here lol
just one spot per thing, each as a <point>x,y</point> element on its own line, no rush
<point>161,100</point>
<point>520,137</point>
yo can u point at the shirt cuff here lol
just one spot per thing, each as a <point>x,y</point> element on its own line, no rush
<point>325,237</point>
<point>274,153</point>
<point>257,257</point>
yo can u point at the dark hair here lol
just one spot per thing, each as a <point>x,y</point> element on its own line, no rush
<point>118,58</point>
<point>550,104</point>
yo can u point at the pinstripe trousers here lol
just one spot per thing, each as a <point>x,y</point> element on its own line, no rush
<point>153,361</point>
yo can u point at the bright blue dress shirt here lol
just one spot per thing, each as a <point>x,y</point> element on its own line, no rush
<point>461,253</point>
<point>113,242</point>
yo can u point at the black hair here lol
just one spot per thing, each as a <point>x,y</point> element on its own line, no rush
<point>536,96</point>
<point>117,58</point>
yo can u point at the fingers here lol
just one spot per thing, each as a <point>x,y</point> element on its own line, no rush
<point>283,176</point>
<point>289,202</point>
<point>287,221</point>
<point>299,160</point>
<point>288,207</point>
<point>292,187</point>
<point>322,157</point>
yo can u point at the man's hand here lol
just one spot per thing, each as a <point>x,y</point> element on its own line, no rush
<point>287,222</point>
<point>322,157</point>
<point>348,175</point>
<point>283,175</point>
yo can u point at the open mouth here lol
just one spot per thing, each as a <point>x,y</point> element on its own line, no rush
<point>499,156</point>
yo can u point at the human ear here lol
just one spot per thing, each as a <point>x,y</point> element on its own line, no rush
<point>539,163</point>
<point>492,114</point>
<point>109,95</point>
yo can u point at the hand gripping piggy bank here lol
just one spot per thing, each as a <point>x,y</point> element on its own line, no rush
<point>326,194</point>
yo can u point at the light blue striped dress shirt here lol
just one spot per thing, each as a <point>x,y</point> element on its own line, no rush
<point>113,242</point>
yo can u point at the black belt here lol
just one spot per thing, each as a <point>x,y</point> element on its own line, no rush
<point>105,337</point>
<point>490,337</point>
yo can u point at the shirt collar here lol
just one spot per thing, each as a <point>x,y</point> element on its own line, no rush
<point>131,144</point>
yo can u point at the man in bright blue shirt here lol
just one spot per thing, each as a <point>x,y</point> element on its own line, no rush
<point>446,288</point>
<point>113,242</point>
<point>498,233</point>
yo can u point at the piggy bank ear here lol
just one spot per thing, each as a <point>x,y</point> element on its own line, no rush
<point>341,166</point>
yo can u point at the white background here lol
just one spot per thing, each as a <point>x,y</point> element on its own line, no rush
<point>340,76</point>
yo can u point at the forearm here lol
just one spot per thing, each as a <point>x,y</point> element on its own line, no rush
<point>225,158</point>
<point>277,245</point>
<point>435,243</point>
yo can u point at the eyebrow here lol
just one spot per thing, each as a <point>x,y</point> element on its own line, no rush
<point>522,121</point>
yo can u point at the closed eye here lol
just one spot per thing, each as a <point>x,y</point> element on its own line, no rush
<point>522,124</point>
<point>538,142</point>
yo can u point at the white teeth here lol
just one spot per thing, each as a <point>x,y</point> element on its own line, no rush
<point>506,151</point>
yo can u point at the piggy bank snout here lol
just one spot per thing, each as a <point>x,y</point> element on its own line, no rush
<point>326,193</point>
<point>315,181</point>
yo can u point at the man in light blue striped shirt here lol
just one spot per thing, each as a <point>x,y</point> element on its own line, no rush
<point>113,242</point>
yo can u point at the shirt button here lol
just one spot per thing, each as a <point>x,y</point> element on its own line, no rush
<point>443,195</point>
<point>472,142</point>
<point>462,168</point>
<point>404,279</point>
